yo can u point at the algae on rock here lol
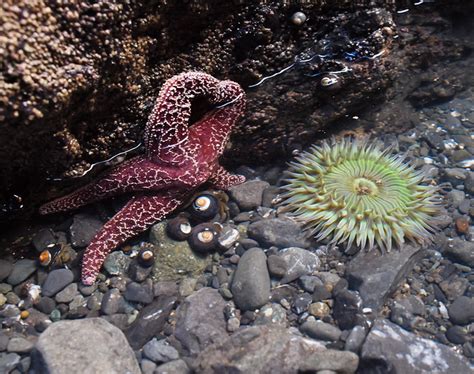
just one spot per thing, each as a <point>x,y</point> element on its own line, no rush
<point>174,260</point>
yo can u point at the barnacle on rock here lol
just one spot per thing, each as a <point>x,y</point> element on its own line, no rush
<point>354,192</point>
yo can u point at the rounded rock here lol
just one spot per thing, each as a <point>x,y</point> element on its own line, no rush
<point>251,283</point>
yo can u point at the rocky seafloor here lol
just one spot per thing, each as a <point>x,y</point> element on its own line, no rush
<point>270,300</point>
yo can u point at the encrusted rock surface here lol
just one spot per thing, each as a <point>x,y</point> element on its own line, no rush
<point>78,80</point>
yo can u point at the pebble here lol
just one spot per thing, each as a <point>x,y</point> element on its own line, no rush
<point>299,262</point>
<point>5,288</point>
<point>159,351</point>
<point>248,195</point>
<point>117,263</point>
<point>461,311</point>
<point>46,305</point>
<point>302,302</point>
<point>187,286</point>
<point>22,269</point>
<point>6,267</point>
<point>176,366</point>
<point>87,290</point>
<point>83,229</point>
<point>309,282</point>
<point>147,366</point>
<point>200,320</point>
<point>457,334</point>
<point>111,302</point>
<point>320,330</point>
<point>141,293</point>
<point>276,266</point>
<point>150,321</point>
<point>67,294</point>
<point>251,283</point>
<point>19,345</point>
<point>8,361</point>
<point>4,339</point>
<point>319,310</point>
<point>56,281</point>
<point>3,300</point>
<point>355,339</point>
<point>331,361</point>
<point>271,314</point>
<point>279,232</point>
<point>460,250</point>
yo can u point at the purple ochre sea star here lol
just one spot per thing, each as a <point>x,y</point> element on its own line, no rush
<point>178,158</point>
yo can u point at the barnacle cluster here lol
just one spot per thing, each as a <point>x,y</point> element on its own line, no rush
<point>354,192</point>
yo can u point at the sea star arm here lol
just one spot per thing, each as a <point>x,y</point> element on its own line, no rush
<point>135,217</point>
<point>221,179</point>
<point>136,174</point>
<point>166,135</point>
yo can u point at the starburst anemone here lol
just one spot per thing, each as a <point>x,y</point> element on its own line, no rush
<point>356,193</point>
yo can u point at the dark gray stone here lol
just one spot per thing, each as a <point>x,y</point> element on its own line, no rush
<point>8,361</point>
<point>160,351</point>
<point>403,352</point>
<point>248,195</point>
<point>111,302</point>
<point>269,195</point>
<point>140,293</point>
<point>457,334</point>
<point>150,321</point>
<point>309,282</point>
<point>251,282</point>
<point>272,349</point>
<point>276,266</point>
<point>347,309</point>
<point>3,342</point>
<point>90,345</point>
<point>173,367</point>
<point>301,302</point>
<point>376,275</point>
<point>355,339</point>
<point>56,281</point>
<point>22,269</point>
<point>460,251</point>
<point>6,268</point>
<point>67,294</point>
<point>117,263</point>
<point>200,320</point>
<point>19,345</point>
<point>320,330</point>
<point>461,311</point>
<point>45,238</point>
<point>299,262</point>
<point>469,182</point>
<point>83,229</point>
<point>279,232</point>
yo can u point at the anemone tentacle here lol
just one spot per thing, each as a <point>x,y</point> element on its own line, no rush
<point>355,192</point>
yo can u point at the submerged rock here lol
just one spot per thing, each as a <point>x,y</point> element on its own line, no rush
<point>103,349</point>
<point>278,232</point>
<point>251,282</point>
<point>390,348</point>
<point>272,349</point>
<point>200,320</point>
<point>174,260</point>
<point>375,275</point>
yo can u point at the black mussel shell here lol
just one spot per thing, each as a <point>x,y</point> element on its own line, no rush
<point>146,257</point>
<point>178,228</point>
<point>203,238</point>
<point>204,207</point>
